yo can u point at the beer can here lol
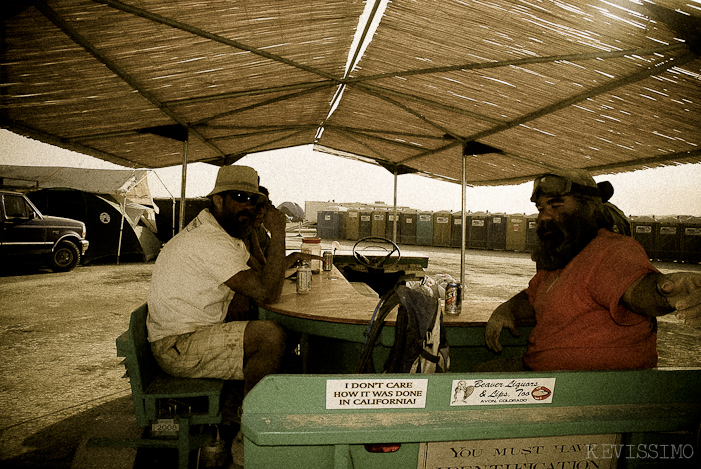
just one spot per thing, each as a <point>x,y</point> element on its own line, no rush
<point>328,260</point>
<point>304,279</point>
<point>452,299</point>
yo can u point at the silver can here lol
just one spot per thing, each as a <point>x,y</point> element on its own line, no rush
<point>304,278</point>
<point>452,299</point>
<point>328,260</point>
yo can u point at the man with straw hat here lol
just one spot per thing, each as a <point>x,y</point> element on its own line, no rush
<point>195,278</point>
<point>595,294</point>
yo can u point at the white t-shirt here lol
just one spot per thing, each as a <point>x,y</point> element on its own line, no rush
<point>187,284</point>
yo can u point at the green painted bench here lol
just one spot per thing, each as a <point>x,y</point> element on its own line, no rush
<point>169,409</point>
<point>288,418</point>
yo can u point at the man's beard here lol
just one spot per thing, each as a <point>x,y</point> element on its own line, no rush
<point>239,224</point>
<point>559,243</point>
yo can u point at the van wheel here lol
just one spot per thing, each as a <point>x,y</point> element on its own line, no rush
<point>65,257</point>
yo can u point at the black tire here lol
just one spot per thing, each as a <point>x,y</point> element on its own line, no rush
<point>65,257</point>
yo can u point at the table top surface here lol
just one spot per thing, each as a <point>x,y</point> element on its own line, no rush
<point>334,299</point>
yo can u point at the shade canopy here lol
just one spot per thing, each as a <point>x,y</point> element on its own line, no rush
<point>518,86</point>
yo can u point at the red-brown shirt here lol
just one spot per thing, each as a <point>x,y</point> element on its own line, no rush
<point>580,324</point>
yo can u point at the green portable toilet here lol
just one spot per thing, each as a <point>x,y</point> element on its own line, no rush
<point>441,229</point>
<point>644,230</point>
<point>456,229</point>
<point>408,222</point>
<point>352,225</point>
<point>531,236</point>
<point>478,231</point>
<point>379,223</point>
<point>365,224</point>
<point>389,228</point>
<point>424,229</point>
<point>516,228</point>
<point>691,239</point>
<point>496,231</point>
<point>668,239</point>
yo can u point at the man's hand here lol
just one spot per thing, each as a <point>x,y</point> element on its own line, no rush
<point>297,256</point>
<point>683,292</point>
<point>501,318</point>
<point>275,221</point>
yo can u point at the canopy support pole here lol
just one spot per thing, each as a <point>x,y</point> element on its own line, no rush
<point>182,188</point>
<point>463,230</point>
<point>394,228</point>
<point>123,208</point>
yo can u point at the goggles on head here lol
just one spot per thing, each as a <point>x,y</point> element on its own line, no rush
<point>551,185</point>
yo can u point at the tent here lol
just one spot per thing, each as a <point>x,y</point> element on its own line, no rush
<point>292,210</point>
<point>102,216</point>
<point>115,205</point>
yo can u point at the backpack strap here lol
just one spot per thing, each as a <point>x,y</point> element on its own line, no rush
<point>386,304</point>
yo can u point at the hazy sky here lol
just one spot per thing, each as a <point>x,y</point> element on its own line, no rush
<point>301,174</point>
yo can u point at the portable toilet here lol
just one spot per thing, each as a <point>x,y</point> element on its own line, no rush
<point>408,222</point>
<point>352,225</point>
<point>365,224</point>
<point>478,231</point>
<point>441,229</point>
<point>496,231</point>
<point>516,228</point>
<point>691,239</point>
<point>389,228</point>
<point>644,230</point>
<point>531,236</point>
<point>379,223</point>
<point>424,229</point>
<point>330,224</point>
<point>668,239</point>
<point>456,229</point>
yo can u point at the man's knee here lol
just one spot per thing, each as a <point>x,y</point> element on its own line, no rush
<point>264,335</point>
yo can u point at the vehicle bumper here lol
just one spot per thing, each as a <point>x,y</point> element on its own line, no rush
<point>84,243</point>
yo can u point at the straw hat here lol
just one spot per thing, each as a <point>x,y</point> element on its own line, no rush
<point>236,178</point>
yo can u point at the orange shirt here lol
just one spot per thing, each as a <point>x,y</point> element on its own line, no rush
<point>580,324</point>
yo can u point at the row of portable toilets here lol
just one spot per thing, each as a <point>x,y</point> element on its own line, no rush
<point>665,239</point>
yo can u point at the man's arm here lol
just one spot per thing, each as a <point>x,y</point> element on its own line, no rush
<point>265,286</point>
<point>657,294</point>
<point>505,316</point>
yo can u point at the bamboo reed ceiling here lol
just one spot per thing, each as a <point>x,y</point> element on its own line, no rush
<point>520,86</point>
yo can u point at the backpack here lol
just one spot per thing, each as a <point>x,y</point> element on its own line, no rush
<point>420,345</point>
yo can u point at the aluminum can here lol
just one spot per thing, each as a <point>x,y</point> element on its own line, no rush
<point>452,299</point>
<point>304,279</point>
<point>328,260</point>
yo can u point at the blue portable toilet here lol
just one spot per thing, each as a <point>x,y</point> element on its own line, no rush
<point>330,224</point>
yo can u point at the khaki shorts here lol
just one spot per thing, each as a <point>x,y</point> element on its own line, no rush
<point>212,352</point>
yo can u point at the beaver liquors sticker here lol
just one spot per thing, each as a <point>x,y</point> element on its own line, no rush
<point>502,391</point>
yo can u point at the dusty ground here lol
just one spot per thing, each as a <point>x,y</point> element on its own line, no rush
<point>58,364</point>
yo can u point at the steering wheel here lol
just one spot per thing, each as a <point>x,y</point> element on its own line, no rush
<point>386,261</point>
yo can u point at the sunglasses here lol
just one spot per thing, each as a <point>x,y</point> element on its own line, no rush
<point>551,185</point>
<point>243,197</point>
